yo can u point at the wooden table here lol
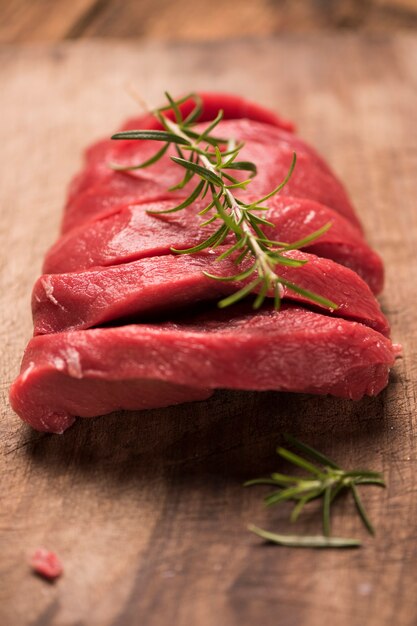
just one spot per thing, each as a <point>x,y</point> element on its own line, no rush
<point>196,20</point>
<point>147,510</point>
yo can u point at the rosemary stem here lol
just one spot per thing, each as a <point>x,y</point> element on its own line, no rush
<point>263,265</point>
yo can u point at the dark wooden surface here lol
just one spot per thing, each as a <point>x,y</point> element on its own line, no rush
<point>147,510</point>
<point>53,20</point>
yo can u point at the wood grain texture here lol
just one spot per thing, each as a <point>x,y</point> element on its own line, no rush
<point>196,20</point>
<point>146,509</point>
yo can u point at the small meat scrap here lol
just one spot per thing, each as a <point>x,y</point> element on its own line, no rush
<point>46,564</point>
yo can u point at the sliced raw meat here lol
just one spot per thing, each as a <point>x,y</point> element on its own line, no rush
<point>118,191</point>
<point>130,233</point>
<point>296,218</point>
<point>254,134</point>
<point>98,180</point>
<point>87,373</point>
<point>270,148</point>
<point>233,108</point>
<point>80,300</point>
<point>102,195</point>
<point>114,266</point>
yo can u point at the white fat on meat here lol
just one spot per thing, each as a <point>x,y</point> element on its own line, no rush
<point>46,283</point>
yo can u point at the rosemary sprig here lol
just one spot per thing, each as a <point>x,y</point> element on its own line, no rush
<point>324,479</point>
<point>210,159</point>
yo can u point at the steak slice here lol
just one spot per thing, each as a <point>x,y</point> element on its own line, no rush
<point>118,191</point>
<point>87,373</point>
<point>130,233</point>
<point>295,218</point>
<point>257,136</point>
<point>261,141</point>
<point>311,178</point>
<point>105,151</point>
<point>80,300</point>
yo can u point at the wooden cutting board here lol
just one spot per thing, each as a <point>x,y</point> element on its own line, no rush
<point>147,510</point>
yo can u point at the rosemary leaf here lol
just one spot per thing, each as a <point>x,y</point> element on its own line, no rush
<point>287,261</point>
<point>153,159</point>
<point>174,107</point>
<point>370,481</point>
<point>207,175</point>
<point>210,127</point>
<point>189,96</point>
<point>236,278</point>
<point>196,112</point>
<point>237,184</point>
<point>183,204</point>
<point>305,541</point>
<point>300,462</point>
<point>361,510</point>
<point>280,186</point>
<point>154,135</point>
<point>259,481</point>
<point>298,491</point>
<point>262,220</point>
<point>231,179</point>
<point>208,243</point>
<point>362,473</point>
<point>282,478</point>
<point>310,451</point>
<point>301,243</point>
<point>261,295</point>
<point>239,295</point>
<point>335,492</point>
<point>246,166</point>
<point>239,244</point>
<point>211,140</point>
<point>314,297</point>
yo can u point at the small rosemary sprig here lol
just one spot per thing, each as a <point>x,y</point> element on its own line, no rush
<point>210,160</point>
<point>325,480</point>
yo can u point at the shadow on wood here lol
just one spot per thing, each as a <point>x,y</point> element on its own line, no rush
<point>234,434</point>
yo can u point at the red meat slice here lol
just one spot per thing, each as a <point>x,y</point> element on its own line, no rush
<point>92,372</point>
<point>97,188</point>
<point>118,191</point>
<point>130,233</point>
<point>311,178</point>
<point>234,108</point>
<point>107,150</point>
<point>81,300</point>
<point>295,218</point>
<point>254,134</point>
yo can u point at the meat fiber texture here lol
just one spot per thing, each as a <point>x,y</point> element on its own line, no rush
<point>122,322</point>
<point>103,294</point>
